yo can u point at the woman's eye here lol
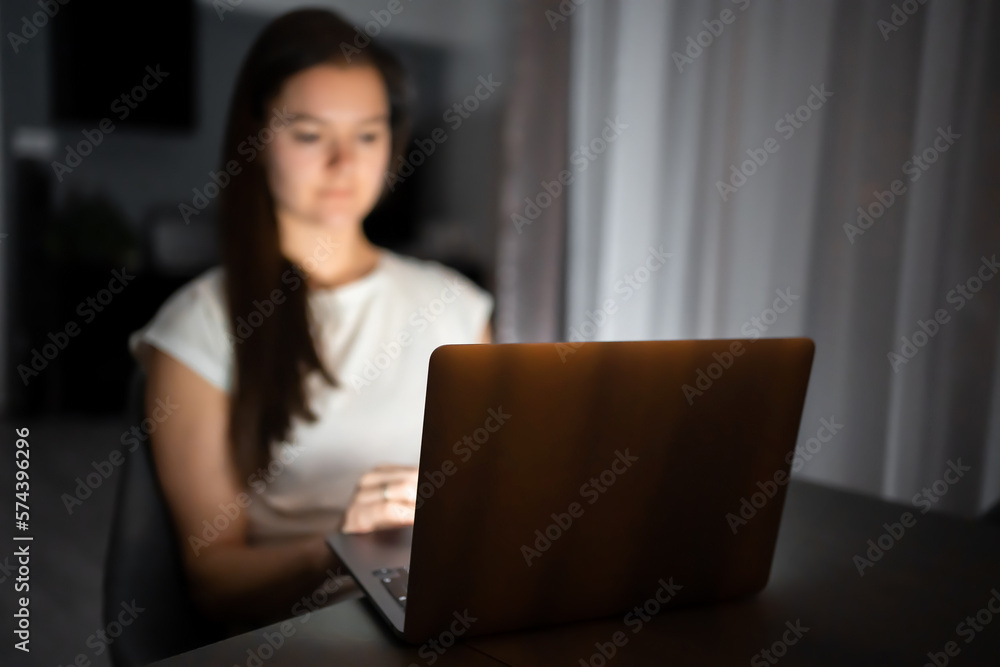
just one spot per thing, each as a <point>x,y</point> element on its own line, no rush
<point>369,137</point>
<point>306,138</point>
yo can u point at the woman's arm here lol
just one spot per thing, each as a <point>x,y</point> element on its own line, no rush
<point>231,581</point>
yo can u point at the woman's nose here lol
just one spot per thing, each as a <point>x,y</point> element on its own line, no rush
<point>339,154</point>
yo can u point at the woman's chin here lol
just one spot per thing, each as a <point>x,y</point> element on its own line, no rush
<point>337,219</point>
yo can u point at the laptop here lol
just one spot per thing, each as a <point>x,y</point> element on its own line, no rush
<point>561,482</point>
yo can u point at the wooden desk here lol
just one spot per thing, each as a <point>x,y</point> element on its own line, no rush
<point>908,603</point>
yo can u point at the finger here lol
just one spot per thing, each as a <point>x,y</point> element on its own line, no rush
<point>397,491</point>
<point>375,516</point>
<point>376,478</point>
<point>391,482</point>
<point>393,467</point>
<point>395,514</point>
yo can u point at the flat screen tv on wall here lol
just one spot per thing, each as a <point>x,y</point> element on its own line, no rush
<point>131,63</point>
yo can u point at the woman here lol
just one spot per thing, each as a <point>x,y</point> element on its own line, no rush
<point>299,365</point>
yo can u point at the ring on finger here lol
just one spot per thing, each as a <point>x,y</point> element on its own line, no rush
<point>385,491</point>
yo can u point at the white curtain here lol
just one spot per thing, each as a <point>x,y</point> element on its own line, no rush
<point>749,134</point>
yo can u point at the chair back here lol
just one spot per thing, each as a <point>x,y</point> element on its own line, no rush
<point>143,567</point>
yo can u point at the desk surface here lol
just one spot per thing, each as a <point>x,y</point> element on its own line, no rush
<point>913,600</point>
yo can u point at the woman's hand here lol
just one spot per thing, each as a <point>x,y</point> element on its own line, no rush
<point>386,497</point>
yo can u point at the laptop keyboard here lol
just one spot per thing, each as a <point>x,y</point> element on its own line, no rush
<point>395,580</point>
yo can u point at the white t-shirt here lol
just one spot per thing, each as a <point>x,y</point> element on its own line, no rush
<point>376,335</point>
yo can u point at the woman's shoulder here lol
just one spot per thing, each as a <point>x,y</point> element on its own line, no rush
<point>201,297</point>
<point>208,285</point>
<point>443,295</point>
<point>429,277</point>
<point>192,326</point>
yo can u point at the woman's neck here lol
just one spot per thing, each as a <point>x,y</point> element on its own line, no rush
<point>328,257</point>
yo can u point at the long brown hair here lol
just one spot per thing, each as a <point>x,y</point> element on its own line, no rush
<point>275,351</point>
